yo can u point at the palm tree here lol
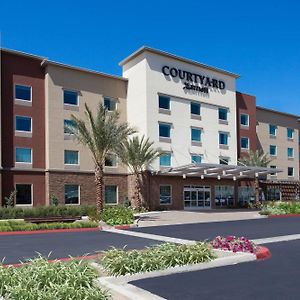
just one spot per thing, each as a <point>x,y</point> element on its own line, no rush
<point>256,159</point>
<point>138,153</point>
<point>102,134</point>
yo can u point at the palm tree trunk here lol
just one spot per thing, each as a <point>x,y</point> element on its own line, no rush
<point>256,185</point>
<point>137,191</point>
<point>99,187</point>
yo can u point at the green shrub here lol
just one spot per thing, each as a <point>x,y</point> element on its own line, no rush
<point>281,208</point>
<point>117,215</point>
<point>23,226</point>
<point>120,262</point>
<point>45,211</point>
<point>42,280</point>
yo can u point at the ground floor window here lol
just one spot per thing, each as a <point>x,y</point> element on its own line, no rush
<point>273,194</point>
<point>224,195</point>
<point>72,192</point>
<point>111,194</point>
<point>24,194</point>
<point>246,195</point>
<point>165,194</point>
<point>196,197</point>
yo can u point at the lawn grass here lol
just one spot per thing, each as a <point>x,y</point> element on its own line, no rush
<point>41,280</point>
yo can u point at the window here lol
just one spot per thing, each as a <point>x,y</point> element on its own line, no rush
<point>273,174</point>
<point>111,194</point>
<point>110,104</point>
<point>165,130</point>
<point>70,97</point>
<point>71,157</point>
<point>272,130</point>
<point>165,194</point>
<point>196,158</point>
<point>224,195</point>
<point>244,119</point>
<point>196,135</point>
<point>223,112</point>
<point>290,171</point>
<point>23,92</point>
<point>246,195</point>
<point>290,152</point>
<point>111,160</point>
<point>195,108</point>
<point>273,150</point>
<point>165,160</point>
<point>223,138</point>
<point>245,143</point>
<point>72,194</point>
<point>24,194</point>
<point>23,123</point>
<point>164,102</point>
<point>68,123</point>
<point>223,161</point>
<point>273,194</point>
<point>24,155</point>
<point>290,133</point>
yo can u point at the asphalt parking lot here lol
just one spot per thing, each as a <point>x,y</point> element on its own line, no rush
<point>274,278</point>
<point>14,248</point>
<point>253,229</point>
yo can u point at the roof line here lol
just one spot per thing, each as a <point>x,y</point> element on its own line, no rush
<point>169,55</point>
<point>21,53</point>
<point>50,62</point>
<point>278,112</point>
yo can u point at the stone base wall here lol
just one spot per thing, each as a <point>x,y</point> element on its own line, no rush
<point>86,181</point>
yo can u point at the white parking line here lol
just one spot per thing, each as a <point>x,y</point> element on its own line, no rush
<point>276,239</point>
<point>151,236</point>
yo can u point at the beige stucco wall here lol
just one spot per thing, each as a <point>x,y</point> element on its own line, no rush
<point>282,121</point>
<point>92,89</point>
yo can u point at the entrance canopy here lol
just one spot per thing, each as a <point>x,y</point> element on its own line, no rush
<point>218,171</point>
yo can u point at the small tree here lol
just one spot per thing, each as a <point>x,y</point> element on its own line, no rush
<point>137,154</point>
<point>101,134</point>
<point>256,159</point>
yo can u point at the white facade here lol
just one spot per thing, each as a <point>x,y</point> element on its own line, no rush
<point>147,82</point>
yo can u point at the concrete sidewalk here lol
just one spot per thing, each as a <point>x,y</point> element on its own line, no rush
<point>159,218</point>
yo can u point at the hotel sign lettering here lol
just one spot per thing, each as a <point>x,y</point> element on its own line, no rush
<point>193,81</point>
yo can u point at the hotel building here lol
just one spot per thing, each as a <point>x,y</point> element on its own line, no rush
<point>189,110</point>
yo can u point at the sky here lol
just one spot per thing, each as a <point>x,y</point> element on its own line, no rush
<point>260,40</point>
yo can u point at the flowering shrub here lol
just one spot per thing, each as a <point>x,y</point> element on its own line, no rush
<point>233,243</point>
<point>280,208</point>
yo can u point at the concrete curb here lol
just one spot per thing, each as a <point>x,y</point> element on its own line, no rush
<point>122,289</point>
<point>283,216</point>
<point>263,253</point>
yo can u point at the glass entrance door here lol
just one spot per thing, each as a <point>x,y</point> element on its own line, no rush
<point>197,197</point>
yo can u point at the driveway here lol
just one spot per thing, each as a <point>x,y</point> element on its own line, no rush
<point>253,229</point>
<point>186,217</point>
<point>275,278</point>
<point>64,244</point>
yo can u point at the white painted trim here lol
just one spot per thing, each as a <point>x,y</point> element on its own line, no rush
<point>22,162</point>
<point>78,164</point>
<point>79,195</point>
<point>22,131</point>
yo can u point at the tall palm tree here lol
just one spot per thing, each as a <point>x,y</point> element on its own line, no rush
<point>256,159</point>
<point>102,134</point>
<point>138,153</point>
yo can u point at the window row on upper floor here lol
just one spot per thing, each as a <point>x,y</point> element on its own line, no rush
<point>70,97</point>
<point>164,105</point>
<point>273,151</point>
<point>273,129</point>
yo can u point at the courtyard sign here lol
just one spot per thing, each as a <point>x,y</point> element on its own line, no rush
<point>192,80</point>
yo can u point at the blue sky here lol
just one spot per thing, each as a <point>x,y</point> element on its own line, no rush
<point>260,40</point>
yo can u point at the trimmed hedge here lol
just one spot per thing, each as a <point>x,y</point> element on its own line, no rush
<point>45,211</point>
<point>7,226</point>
